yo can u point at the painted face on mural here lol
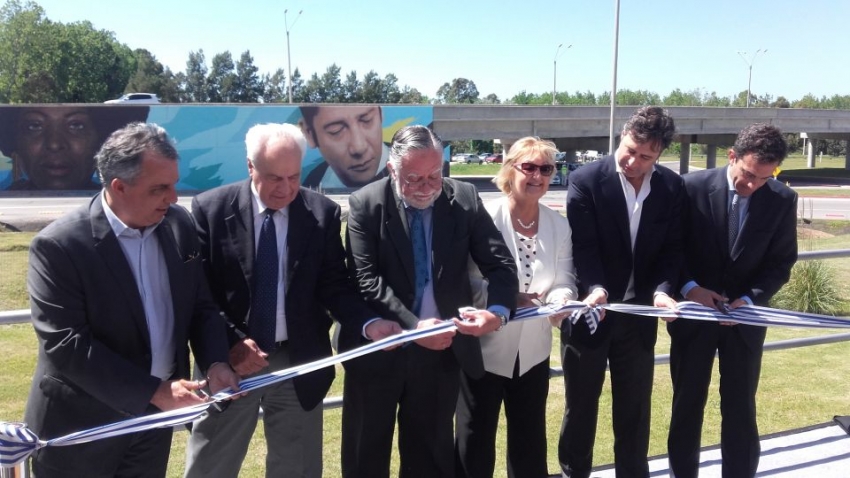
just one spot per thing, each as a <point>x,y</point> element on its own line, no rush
<point>56,146</point>
<point>350,140</point>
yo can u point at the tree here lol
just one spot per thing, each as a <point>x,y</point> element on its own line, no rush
<point>491,99</point>
<point>389,89</point>
<point>221,80</point>
<point>248,87</point>
<point>26,51</point>
<point>297,85</point>
<point>352,88</point>
<point>274,87</point>
<point>460,90</point>
<point>149,75</point>
<point>371,88</point>
<point>93,66</point>
<point>412,96</point>
<point>196,77</point>
<point>172,90</point>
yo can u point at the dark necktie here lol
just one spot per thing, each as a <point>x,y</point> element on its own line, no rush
<point>420,256</point>
<point>263,319</point>
<point>734,215</point>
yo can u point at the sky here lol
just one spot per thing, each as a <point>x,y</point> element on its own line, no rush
<point>504,46</point>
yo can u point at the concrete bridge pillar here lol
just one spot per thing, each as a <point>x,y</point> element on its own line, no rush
<point>710,156</point>
<point>810,153</point>
<point>685,156</point>
<point>847,153</point>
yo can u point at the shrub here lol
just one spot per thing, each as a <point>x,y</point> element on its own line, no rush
<point>810,289</point>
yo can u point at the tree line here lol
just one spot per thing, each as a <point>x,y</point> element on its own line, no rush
<point>42,61</point>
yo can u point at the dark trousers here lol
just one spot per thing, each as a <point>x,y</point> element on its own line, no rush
<point>137,455</point>
<point>525,411</point>
<point>626,345</point>
<point>422,386</point>
<point>692,351</point>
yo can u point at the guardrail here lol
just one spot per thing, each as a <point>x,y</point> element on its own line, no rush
<point>23,316</point>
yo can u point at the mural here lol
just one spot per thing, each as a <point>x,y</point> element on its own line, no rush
<point>51,147</point>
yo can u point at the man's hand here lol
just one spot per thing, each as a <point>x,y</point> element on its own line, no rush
<point>381,329</point>
<point>222,376</point>
<point>597,297</point>
<point>734,305</point>
<point>177,394</point>
<point>478,322</point>
<point>706,297</point>
<point>435,342</point>
<point>665,301</point>
<point>247,358</point>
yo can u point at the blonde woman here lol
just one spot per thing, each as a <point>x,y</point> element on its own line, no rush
<point>516,358</point>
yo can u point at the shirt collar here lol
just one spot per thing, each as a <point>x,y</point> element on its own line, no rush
<point>260,205</point>
<point>118,226</point>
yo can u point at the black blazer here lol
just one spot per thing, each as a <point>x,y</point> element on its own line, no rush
<point>94,347</point>
<point>380,256</point>
<point>766,247</point>
<point>317,286</point>
<point>602,250</point>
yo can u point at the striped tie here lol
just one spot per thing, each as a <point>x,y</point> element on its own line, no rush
<point>734,214</point>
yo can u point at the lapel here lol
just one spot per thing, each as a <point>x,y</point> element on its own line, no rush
<point>718,198</point>
<point>302,223</point>
<point>442,232</point>
<point>173,262</point>
<point>612,190</point>
<point>397,228</point>
<point>240,229</point>
<point>107,246</point>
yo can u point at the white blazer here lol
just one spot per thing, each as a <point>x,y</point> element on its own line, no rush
<point>553,278</point>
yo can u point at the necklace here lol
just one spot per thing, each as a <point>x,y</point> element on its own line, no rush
<point>524,225</point>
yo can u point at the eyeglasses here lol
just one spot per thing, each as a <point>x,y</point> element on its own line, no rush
<point>530,168</point>
<point>435,179</point>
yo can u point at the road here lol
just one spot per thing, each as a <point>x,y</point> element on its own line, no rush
<point>31,213</point>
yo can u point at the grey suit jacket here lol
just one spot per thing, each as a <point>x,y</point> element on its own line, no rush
<point>317,289</point>
<point>94,353</point>
<point>380,256</point>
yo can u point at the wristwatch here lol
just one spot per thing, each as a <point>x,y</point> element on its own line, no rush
<point>502,318</point>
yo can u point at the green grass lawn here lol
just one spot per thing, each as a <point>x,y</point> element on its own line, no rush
<point>799,387</point>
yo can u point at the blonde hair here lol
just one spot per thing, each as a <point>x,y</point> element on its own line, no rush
<point>530,146</point>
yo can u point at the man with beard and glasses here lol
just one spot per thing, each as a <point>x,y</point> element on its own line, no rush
<point>409,240</point>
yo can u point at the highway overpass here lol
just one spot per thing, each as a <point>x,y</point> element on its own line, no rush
<point>586,127</point>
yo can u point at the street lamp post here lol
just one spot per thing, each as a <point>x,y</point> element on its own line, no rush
<point>749,63</point>
<point>288,57</point>
<point>555,71</point>
<point>614,77</point>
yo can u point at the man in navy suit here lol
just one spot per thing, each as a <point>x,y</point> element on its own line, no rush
<point>741,242</point>
<point>625,213</point>
<point>117,291</point>
<point>309,287</point>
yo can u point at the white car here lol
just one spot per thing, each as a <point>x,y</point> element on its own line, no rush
<point>135,98</point>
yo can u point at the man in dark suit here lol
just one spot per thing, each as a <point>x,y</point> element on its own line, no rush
<point>624,212</point>
<point>409,240</point>
<point>117,290</point>
<point>741,242</point>
<point>309,285</point>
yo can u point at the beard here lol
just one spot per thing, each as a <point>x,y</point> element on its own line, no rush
<point>417,200</point>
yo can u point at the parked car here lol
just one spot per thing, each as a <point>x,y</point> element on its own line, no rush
<point>493,158</point>
<point>467,158</point>
<point>135,98</point>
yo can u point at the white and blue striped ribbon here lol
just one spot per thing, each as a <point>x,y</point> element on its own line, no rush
<point>17,442</point>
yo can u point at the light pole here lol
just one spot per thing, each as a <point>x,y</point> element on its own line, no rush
<point>555,71</point>
<point>749,63</point>
<point>614,77</point>
<point>288,57</point>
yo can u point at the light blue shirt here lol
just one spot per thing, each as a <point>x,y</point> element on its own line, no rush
<point>144,256</point>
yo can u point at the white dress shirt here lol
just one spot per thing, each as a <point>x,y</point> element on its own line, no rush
<point>634,208</point>
<point>281,225</point>
<point>144,255</point>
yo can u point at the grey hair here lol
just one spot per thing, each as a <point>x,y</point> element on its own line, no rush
<point>412,138</point>
<point>262,134</point>
<point>120,156</point>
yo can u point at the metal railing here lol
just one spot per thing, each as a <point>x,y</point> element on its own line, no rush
<point>23,316</point>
